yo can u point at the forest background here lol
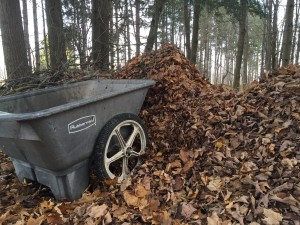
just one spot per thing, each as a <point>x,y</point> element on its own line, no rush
<point>232,42</point>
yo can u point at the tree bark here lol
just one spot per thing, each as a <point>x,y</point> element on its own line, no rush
<point>297,11</point>
<point>246,54</point>
<point>83,21</point>
<point>45,36</point>
<point>138,26</point>
<point>242,32</point>
<point>298,47</point>
<point>128,41</point>
<point>268,44</point>
<point>36,37</point>
<point>13,40</point>
<point>58,57</point>
<point>187,28</point>
<point>117,35</point>
<point>100,35</point>
<point>194,49</point>
<point>159,4</point>
<point>288,33</point>
<point>274,35</point>
<point>26,33</point>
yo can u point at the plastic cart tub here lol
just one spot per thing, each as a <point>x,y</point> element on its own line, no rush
<point>51,134</point>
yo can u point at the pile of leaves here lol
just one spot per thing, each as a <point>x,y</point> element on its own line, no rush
<point>216,156</point>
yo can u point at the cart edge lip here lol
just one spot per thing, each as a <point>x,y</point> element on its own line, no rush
<point>4,116</point>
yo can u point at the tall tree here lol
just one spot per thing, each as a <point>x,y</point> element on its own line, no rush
<point>58,57</point>
<point>45,36</point>
<point>128,39</point>
<point>239,55</point>
<point>297,11</point>
<point>298,47</point>
<point>194,49</point>
<point>26,33</point>
<point>36,37</point>
<point>274,34</point>
<point>159,5</point>
<point>100,35</point>
<point>268,41</point>
<point>187,28</point>
<point>288,33</point>
<point>138,26</point>
<point>245,54</point>
<point>75,19</point>
<point>13,39</point>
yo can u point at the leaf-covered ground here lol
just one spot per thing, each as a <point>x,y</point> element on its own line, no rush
<point>216,157</point>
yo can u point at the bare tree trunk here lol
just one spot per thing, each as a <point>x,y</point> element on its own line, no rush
<point>246,54</point>
<point>45,36</point>
<point>100,24</point>
<point>128,41</point>
<point>13,40</point>
<point>187,28</point>
<point>83,42</point>
<point>274,49</point>
<point>111,35</point>
<point>295,34</point>
<point>159,4</point>
<point>26,34</point>
<point>138,26</point>
<point>57,46</point>
<point>117,34</point>
<point>173,25</point>
<point>164,27</point>
<point>36,37</point>
<point>239,56</point>
<point>268,43</point>
<point>263,49</point>
<point>298,47</point>
<point>194,49</point>
<point>288,33</point>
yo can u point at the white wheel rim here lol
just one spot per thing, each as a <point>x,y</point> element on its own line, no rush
<point>128,150</point>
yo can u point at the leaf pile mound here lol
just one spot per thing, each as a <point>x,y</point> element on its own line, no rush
<point>216,156</point>
<point>228,157</point>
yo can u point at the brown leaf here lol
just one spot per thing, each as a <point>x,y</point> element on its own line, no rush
<point>125,183</point>
<point>140,190</point>
<point>179,182</point>
<point>37,221</point>
<point>187,210</point>
<point>272,217</point>
<point>188,165</point>
<point>54,218</point>
<point>97,211</point>
<point>213,219</point>
<point>131,199</point>
<point>183,155</point>
<point>215,184</point>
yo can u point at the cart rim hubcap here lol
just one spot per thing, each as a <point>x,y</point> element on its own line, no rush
<point>128,150</point>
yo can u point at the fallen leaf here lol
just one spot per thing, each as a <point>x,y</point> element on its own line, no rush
<point>215,184</point>
<point>97,211</point>
<point>131,199</point>
<point>140,191</point>
<point>214,219</point>
<point>271,217</point>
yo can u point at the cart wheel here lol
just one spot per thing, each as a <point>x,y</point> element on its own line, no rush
<point>119,146</point>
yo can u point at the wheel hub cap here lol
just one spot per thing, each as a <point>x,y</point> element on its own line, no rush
<point>128,152</point>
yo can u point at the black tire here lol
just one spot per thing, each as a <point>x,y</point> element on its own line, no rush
<point>120,142</point>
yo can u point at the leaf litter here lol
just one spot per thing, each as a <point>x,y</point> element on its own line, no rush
<point>216,156</point>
